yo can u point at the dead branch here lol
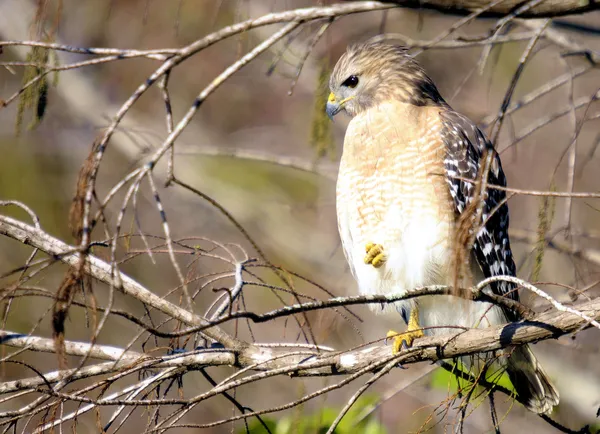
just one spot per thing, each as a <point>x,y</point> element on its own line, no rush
<point>543,9</point>
<point>550,325</point>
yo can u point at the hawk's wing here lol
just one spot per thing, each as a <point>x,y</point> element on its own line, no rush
<point>465,145</point>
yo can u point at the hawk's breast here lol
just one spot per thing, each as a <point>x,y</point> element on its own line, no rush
<point>392,191</point>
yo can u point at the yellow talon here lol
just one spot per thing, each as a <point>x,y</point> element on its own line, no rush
<point>375,255</point>
<point>407,338</point>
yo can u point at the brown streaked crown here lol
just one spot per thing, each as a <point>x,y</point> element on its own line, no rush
<point>384,72</point>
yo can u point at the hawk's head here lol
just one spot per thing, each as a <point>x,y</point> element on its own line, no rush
<point>373,72</point>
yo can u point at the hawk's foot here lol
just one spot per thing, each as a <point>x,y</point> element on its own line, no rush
<point>405,340</point>
<point>375,255</point>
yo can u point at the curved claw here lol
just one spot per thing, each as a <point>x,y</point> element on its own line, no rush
<point>403,340</point>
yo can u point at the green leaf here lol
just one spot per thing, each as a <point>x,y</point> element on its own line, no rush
<point>442,379</point>
<point>320,421</point>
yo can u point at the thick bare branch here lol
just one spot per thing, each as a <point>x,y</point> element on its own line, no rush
<point>549,325</point>
<point>545,9</point>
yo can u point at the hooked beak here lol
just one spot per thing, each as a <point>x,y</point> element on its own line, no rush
<point>333,107</point>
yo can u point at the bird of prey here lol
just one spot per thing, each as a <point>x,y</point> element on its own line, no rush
<point>403,186</point>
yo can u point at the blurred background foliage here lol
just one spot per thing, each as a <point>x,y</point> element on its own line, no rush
<point>357,420</point>
<point>269,157</point>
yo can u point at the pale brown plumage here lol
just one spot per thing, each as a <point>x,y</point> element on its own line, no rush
<point>400,195</point>
<point>376,151</point>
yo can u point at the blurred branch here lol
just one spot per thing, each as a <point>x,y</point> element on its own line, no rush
<point>559,39</point>
<point>543,193</point>
<point>459,42</point>
<point>590,255</point>
<point>534,95</point>
<point>322,168</point>
<point>546,120</point>
<point>576,27</point>
<point>544,9</point>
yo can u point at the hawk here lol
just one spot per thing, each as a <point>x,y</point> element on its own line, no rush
<point>402,188</point>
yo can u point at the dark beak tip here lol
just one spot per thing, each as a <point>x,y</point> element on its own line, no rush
<point>331,110</point>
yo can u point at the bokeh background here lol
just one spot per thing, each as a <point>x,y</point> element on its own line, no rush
<point>257,150</point>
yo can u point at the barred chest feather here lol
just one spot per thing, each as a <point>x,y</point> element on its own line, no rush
<point>392,191</point>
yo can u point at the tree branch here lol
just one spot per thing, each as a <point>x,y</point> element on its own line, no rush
<point>103,272</point>
<point>545,9</point>
<point>306,362</point>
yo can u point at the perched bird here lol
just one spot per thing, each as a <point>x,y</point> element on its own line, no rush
<point>402,188</point>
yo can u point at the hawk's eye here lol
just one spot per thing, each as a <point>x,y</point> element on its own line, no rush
<point>351,81</point>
